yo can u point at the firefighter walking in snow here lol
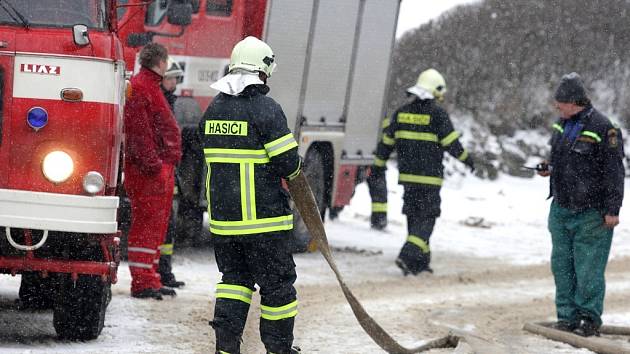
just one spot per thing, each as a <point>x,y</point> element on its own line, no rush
<point>249,150</point>
<point>587,183</point>
<point>172,77</point>
<point>152,149</point>
<point>420,132</point>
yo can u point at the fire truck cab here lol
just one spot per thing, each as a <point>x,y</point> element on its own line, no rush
<point>62,89</point>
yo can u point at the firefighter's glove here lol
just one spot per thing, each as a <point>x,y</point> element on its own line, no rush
<point>470,163</point>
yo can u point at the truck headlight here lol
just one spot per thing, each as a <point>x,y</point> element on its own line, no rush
<point>57,166</point>
<point>93,182</point>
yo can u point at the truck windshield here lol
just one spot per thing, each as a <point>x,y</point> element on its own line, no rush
<point>55,13</point>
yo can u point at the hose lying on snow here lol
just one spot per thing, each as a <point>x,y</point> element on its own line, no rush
<point>306,205</point>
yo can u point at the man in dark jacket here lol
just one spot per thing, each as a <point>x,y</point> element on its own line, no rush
<point>420,132</point>
<point>587,182</point>
<point>152,149</point>
<point>249,150</point>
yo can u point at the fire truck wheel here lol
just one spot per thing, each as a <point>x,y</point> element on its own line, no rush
<point>314,172</point>
<point>79,312</point>
<point>36,293</point>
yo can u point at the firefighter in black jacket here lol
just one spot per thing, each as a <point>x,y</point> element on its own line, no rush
<point>420,132</point>
<point>249,150</point>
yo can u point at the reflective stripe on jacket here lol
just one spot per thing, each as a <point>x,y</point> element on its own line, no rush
<point>248,149</point>
<point>420,132</point>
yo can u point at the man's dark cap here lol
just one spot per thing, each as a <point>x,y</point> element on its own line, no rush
<point>571,90</point>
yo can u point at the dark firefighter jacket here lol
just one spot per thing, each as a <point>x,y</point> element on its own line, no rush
<point>248,149</point>
<point>152,136</point>
<point>420,132</point>
<point>586,159</point>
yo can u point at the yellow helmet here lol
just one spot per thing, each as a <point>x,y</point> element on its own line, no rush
<point>433,82</point>
<point>252,54</point>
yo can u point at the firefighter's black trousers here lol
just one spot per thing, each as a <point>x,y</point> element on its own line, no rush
<point>268,263</point>
<point>422,207</point>
<point>165,267</point>
<point>377,185</point>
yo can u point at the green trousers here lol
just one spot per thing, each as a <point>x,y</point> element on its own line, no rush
<point>581,245</point>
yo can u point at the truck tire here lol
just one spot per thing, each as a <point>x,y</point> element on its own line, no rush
<point>37,293</point>
<point>315,174</point>
<point>79,312</point>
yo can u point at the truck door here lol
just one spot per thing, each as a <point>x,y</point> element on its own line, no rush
<point>7,56</point>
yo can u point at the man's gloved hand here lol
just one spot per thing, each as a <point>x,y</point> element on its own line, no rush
<point>470,163</point>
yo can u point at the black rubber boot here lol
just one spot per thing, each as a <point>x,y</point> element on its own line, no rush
<point>167,291</point>
<point>564,326</point>
<point>378,221</point>
<point>148,294</point>
<point>587,329</point>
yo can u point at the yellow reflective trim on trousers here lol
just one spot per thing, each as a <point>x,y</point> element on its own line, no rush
<point>379,162</point>
<point>279,313</point>
<point>166,249</point>
<point>449,139</point>
<point>234,292</point>
<point>411,135</point>
<point>222,352</point>
<point>463,156</point>
<point>296,172</point>
<point>246,227</point>
<point>434,181</point>
<point>385,123</point>
<point>213,155</point>
<point>422,244</point>
<point>280,145</point>
<point>379,207</point>
<point>592,135</point>
<point>558,127</point>
<point>388,140</point>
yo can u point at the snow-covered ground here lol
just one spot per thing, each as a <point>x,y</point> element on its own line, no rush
<point>489,279</point>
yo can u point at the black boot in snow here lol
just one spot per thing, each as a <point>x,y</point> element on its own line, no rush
<point>293,350</point>
<point>171,282</point>
<point>167,291</point>
<point>401,264</point>
<point>587,329</point>
<point>148,294</point>
<point>412,270</point>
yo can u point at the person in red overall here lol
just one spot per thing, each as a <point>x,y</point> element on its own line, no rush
<point>152,149</point>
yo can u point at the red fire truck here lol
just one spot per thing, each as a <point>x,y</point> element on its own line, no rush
<point>62,84</point>
<point>333,67</point>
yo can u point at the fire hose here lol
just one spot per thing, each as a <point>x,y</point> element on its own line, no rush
<point>306,205</point>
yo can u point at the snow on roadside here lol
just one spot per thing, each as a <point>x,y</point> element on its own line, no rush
<point>512,213</point>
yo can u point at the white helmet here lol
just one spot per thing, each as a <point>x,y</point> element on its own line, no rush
<point>432,82</point>
<point>252,54</point>
<point>173,69</point>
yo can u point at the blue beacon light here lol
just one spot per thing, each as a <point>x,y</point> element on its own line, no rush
<point>37,118</point>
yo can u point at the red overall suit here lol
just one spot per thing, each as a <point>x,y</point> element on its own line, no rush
<point>152,149</point>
